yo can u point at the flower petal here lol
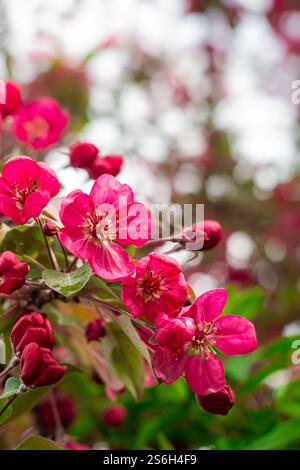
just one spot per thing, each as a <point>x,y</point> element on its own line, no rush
<point>112,262</point>
<point>208,306</point>
<point>108,190</point>
<point>205,376</point>
<point>168,367</point>
<point>235,335</point>
<point>22,170</point>
<point>74,208</point>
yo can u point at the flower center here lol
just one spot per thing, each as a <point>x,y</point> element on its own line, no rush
<point>21,194</point>
<point>204,339</point>
<point>100,228</point>
<point>36,128</point>
<point>150,286</point>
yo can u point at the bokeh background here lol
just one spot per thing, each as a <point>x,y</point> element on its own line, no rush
<point>197,96</point>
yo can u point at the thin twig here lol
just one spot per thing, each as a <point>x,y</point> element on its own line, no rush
<point>64,253</point>
<point>118,310</point>
<point>73,264</point>
<point>46,243</point>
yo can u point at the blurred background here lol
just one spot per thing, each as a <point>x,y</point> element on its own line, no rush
<point>197,97</point>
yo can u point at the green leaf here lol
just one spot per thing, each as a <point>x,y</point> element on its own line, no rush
<point>282,435</point>
<point>21,404</point>
<point>68,284</point>
<point>247,303</point>
<point>38,443</point>
<point>128,328</point>
<point>11,386</point>
<point>24,239</point>
<point>126,360</point>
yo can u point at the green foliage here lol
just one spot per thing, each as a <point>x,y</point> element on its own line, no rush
<point>23,240</point>
<point>125,359</point>
<point>38,443</point>
<point>68,284</point>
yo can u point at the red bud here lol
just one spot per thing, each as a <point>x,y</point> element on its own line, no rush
<point>83,154</point>
<point>219,403</point>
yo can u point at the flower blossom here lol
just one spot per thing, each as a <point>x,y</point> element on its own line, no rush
<point>39,368</point>
<point>12,99</point>
<point>12,273</point>
<point>32,328</point>
<point>26,187</point>
<point>157,286</point>
<point>40,124</point>
<point>196,358</point>
<point>97,225</point>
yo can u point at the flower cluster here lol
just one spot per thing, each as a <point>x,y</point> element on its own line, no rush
<point>87,156</point>
<point>98,236</point>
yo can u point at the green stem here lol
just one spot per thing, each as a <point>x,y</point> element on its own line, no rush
<point>64,253</point>
<point>118,310</point>
<point>10,401</point>
<point>38,221</point>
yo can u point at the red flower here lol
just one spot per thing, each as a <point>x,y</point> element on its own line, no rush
<point>115,415</point>
<point>96,226</point>
<point>13,99</point>
<point>158,286</point>
<point>40,123</point>
<point>203,369</point>
<point>32,328</point>
<point>66,409</point>
<point>220,402</point>
<point>203,235</point>
<point>12,272</point>
<point>26,187</point>
<point>83,154</point>
<point>110,165</point>
<point>50,228</point>
<point>94,330</point>
<point>173,333</point>
<point>39,368</point>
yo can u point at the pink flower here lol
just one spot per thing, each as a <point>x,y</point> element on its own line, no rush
<point>97,225</point>
<point>203,369</point>
<point>83,154</point>
<point>12,272</point>
<point>172,334</point>
<point>26,187</point>
<point>40,123</point>
<point>110,165</point>
<point>158,286</point>
<point>12,98</point>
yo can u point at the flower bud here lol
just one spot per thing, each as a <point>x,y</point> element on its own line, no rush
<point>50,228</point>
<point>202,236</point>
<point>219,403</point>
<point>32,328</point>
<point>12,99</point>
<point>66,410</point>
<point>115,415</point>
<point>39,368</point>
<point>12,273</point>
<point>94,330</point>
<point>83,154</point>
<point>110,165</point>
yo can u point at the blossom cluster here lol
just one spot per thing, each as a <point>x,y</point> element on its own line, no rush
<point>109,231</point>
